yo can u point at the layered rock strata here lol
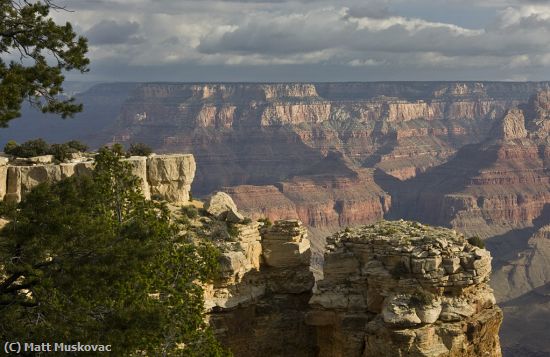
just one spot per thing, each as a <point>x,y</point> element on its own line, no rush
<point>491,188</point>
<point>245,133</point>
<point>328,196</point>
<point>258,304</point>
<point>405,289</point>
<point>166,176</point>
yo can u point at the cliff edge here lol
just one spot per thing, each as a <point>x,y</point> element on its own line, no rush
<point>405,289</point>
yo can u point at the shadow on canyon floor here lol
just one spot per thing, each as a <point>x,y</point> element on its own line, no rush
<point>506,247</point>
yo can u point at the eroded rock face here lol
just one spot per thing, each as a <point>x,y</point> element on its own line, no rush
<point>167,176</point>
<point>221,206</point>
<point>264,133</point>
<point>328,196</point>
<point>405,289</point>
<point>512,126</point>
<point>170,176</point>
<point>258,305</point>
<point>486,189</point>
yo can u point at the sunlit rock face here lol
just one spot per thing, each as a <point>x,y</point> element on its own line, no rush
<point>258,304</point>
<point>405,289</point>
<point>167,177</point>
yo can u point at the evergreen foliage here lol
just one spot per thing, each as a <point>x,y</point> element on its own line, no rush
<point>35,54</point>
<point>476,241</point>
<point>88,259</point>
<point>39,147</point>
<point>140,149</point>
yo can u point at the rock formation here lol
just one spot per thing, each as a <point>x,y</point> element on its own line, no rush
<point>390,289</point>
<point>170,176</point>
<point>166,176</point>
<point>254,134</point>
<point>329,195</point>
<point>405,289</point>
<point>487,189</point>
<point>258,304</point>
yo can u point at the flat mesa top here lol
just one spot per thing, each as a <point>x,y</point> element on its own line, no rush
<point>400,233</point>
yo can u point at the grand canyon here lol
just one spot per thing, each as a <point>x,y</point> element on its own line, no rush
<point>470,156</point>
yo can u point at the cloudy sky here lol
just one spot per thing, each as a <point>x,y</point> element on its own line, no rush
<point>313,40</point>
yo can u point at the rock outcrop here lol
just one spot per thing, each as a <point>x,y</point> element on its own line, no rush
<point>512,126</point>
<point>405,289</point>
<point>221,206</point>
<point>170,176</point>
<point>258,305</point>
<point>390,289</point>
<point>166,176</point>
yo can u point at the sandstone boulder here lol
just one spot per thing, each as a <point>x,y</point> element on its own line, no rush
<point>139,168</point>
<point>284,245</point>
<point>220,204</point>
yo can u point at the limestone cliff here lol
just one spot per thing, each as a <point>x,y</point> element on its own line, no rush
<point>405,289</point>
<point>329,195</point>
<point>167,176</point>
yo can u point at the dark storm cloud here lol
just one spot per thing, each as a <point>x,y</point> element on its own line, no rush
<point>108,32</point>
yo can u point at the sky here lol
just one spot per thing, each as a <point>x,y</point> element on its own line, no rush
<point>312,40</point>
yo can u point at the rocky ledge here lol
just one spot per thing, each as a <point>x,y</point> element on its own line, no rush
<point>405,289</point>
<point>167,176</point>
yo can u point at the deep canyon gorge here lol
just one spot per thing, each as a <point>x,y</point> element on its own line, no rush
<point>470,156</point>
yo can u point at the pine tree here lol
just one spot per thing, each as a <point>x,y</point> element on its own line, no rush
<point>88,259</point>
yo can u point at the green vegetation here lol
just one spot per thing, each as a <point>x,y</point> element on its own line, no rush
<point>61,152</point>
<point>232,230</point>
<point>190,211</point>
<point>89,259</point>
<point>247,220</point>
<point>139,149</point>
<point>422,298</point>
<point>43,51</point>
<point>267,223</point>
<point>478,242</point>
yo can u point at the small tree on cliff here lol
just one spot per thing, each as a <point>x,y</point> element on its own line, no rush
<point>89,260</point>
<point>38,51</point>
